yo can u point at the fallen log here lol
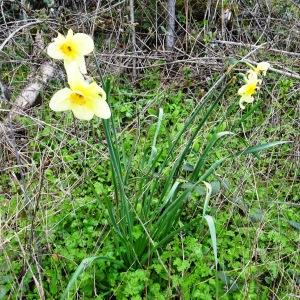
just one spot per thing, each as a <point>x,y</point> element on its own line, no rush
<point>36,82</point>
<point>30,92</point>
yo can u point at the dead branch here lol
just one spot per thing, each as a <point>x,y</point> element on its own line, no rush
<point>42,75</point>
<point>257,47</point>
<point>30,92</point>
<point>16,31</point>
<point>285,72</point>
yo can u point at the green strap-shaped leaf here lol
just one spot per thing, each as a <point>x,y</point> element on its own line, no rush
<point>260,147</point>
<point>153,147</point>
<point>213,236</point>
<point>207,197</point>
<point>80,269</point>
<point>249,150</point>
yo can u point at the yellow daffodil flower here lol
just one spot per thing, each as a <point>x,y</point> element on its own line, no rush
<point>262,67</point>
<point>71,48</point>
<point>84,99</point>
<point>249,89</point>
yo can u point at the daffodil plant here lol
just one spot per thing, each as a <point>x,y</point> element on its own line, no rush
<point>145,219</point>
<point>252,83</point>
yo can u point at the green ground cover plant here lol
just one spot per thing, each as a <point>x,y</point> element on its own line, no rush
<point>74,235</point>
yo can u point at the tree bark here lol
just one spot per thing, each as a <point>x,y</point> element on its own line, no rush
<point>170,40</point>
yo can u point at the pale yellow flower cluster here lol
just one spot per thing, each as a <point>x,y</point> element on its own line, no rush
<point>252,83</point>
<point>84,99</point>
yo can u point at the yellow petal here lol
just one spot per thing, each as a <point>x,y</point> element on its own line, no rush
<point>54,51</point>
<point>81,64</point>
<point>75,78</point>
<point>247,99</point>
<point>252,77</point>
<point>84,43</point>
<point>82,112</point>
<point>59,39</point>
<point>60,100</point>
<point>242,90</point>
<point>263,67</point>
<point>94,90</point>
<point>101,109</point>
<point>69,34</point>
<point>242,106</point>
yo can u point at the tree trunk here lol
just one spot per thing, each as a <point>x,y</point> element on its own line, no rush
<point>171,25</point>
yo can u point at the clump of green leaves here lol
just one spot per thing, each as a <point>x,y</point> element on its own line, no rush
<point>149,201</point>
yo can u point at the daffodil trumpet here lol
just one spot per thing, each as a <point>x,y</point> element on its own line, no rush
<point>71,48</point>
<point>84,99</point>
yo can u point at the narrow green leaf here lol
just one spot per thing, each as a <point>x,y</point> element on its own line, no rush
<point>153,148</point>
<point>201,161</point>
<point>250,150</point>
<point>80,269</point>
<point>215,165</point>
<point>170,194</point>
<point>216,186</point>
<point>207,197</point>
<point>260,147</point>
<point>223,133</point>
<point>178,163</point>
<point>213,236</point>
<point>294,224</point>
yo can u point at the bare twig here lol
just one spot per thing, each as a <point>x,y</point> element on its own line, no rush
<point>133,38</point>
<point>257,47</point>
<point>23,9</point>
<point>16,31</point>
<point>96,13</point>
<point>39,284</point>
<point>286,72</point>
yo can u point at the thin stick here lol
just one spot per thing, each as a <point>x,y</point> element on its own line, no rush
<point>27,200</point>
<point>256,47</point>
<point>133,38</point>
<point>17,30</point>
<point>96,13</point>
<point>287,73</point>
